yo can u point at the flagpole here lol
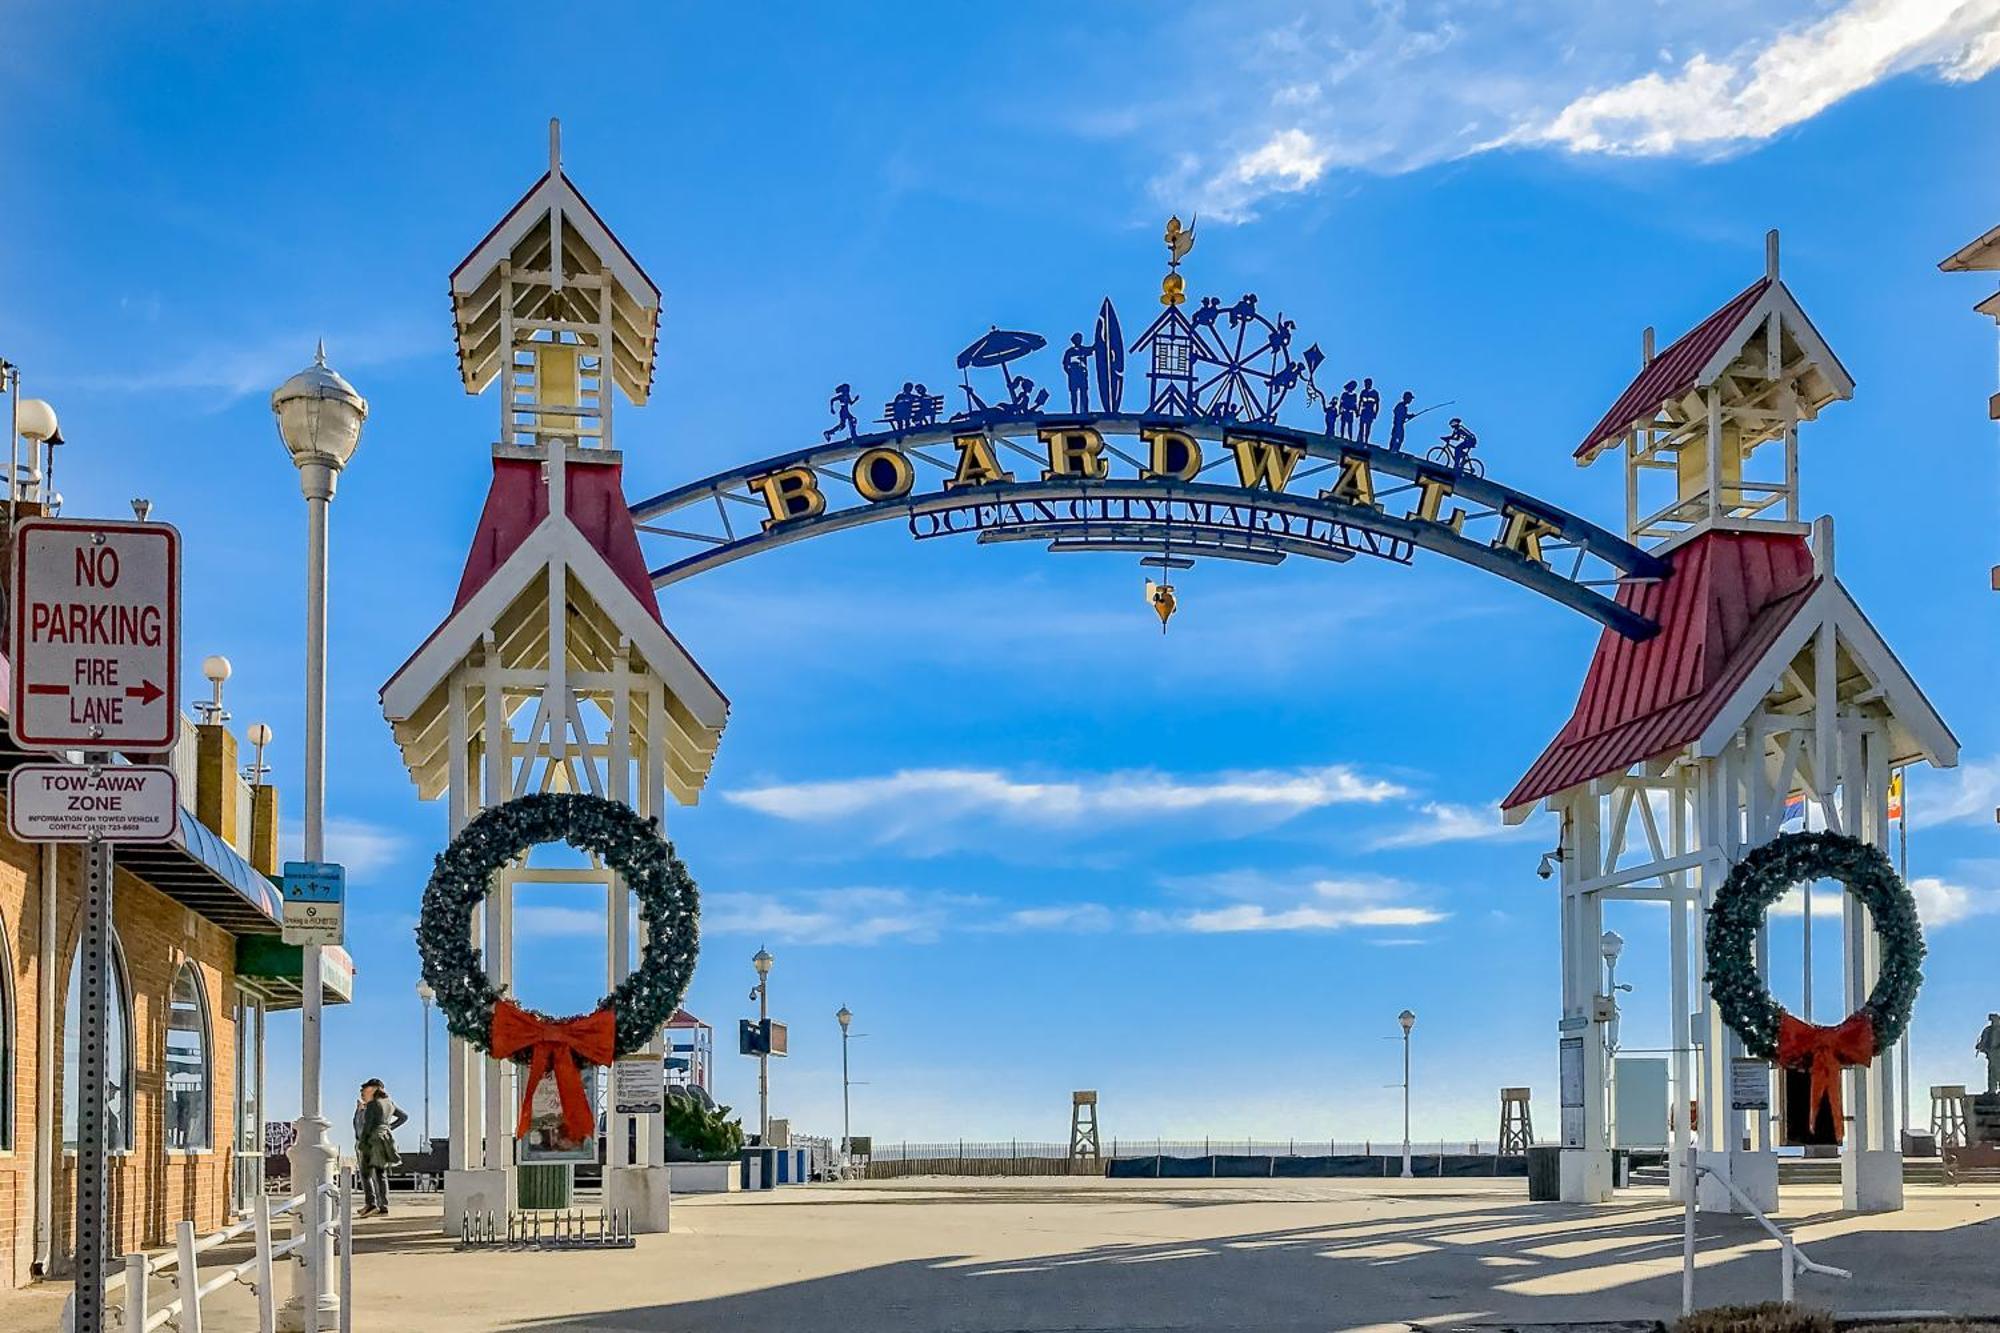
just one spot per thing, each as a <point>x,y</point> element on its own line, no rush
<point>1903,871</point>
<point>1805,814</point>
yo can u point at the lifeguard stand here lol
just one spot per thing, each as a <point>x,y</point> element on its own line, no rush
<point>553,671</point>
<point>1765,679</point>
<point>1517,1129</point>
<point>1083,1145</point>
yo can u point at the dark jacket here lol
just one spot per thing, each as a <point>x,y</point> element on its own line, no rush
<point>375,1145</point>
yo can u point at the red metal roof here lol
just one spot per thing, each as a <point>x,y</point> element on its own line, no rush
<point>518,501</point>
<point>1727,598</point>
<point>1673,372</point>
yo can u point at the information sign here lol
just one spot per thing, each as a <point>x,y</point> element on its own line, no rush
<point>638,1086</point>
<point>1749,1085</point>
<point>75,803</point>
<point>315,893</point>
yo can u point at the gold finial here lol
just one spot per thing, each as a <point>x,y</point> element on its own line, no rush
<point>1180,240</point>
<point>1161,597</point>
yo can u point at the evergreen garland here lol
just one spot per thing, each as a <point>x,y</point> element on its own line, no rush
<point>669,905</point>
<point>1759,880</point>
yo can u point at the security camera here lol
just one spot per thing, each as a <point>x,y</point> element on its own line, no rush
<point>1549,862</point>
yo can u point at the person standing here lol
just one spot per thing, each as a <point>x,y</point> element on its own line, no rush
<point>376,1121</point>
<point>1989,1046</point>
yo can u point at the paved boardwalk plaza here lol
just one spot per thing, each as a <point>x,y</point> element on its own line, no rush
<point>991,1255</point>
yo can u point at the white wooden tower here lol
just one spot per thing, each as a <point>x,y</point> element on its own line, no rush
<point>553,671</point>
<point>1765,681</point>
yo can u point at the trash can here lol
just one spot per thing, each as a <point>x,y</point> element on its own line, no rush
<point>542,1185</point>
<point>1544,1174</point>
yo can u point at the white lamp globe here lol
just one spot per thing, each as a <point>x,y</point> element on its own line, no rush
<point>319,415</point>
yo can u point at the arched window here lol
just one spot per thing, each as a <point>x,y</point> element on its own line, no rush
<point>188,1083</point>
<point>117,1052</point>
<point>8,1043</point>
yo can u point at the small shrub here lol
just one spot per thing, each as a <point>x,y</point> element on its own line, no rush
<point>701,1133</point>
<point>1770,1317</point>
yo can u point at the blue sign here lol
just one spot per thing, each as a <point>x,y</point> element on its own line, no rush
<point>314,882</point>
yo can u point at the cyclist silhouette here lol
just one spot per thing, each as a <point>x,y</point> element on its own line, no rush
<point>1460,442</point>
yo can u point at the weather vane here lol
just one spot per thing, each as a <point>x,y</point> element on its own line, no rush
<point>1180,240</point>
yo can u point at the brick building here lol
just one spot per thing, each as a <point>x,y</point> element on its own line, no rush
<point>197,965</point>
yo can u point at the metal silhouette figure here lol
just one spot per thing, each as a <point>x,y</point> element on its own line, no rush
<point>1349,405</point>
<point>842,406</point>
<point>1369,406</point>
<point>1399,420</point>
<point>999,348</point>
<point>1076,363</point>
<point>1455,448</point>
<point>900,412</point>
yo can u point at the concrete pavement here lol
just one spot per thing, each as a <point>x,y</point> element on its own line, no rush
<point>1006,1255</point>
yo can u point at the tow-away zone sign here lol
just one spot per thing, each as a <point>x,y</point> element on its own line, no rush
<point>77,803</point>
<point>96,635</point>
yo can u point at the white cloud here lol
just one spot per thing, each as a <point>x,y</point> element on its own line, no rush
<point>1444,822</point>
<point>1941,903</point>
<point>1829,900</point>
<point>1769,86</point>
<point>363,848</point>
<point>227,372</point>
<point>1067,916</point>
<point>1252,917</point>
<point>1390,87</point>
<point>1969,792</point>
<point>921,805</point>
<point>565,922</point>
<point>833,916</point>
<point>1257,900</point>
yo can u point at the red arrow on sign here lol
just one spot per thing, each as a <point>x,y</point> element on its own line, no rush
<point>145,692</point>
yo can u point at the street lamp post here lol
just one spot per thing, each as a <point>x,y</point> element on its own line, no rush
<point>1408,1020</point>
<point>1611,944</point>
<point>319,419</point>
<point>426,994</point>
<point>761,992</point>
<point>845,1017</point>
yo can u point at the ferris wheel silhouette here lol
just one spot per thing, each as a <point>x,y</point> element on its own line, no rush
<point>1248,358</point>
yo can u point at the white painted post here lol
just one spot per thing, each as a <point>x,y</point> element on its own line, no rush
<point>1690,1173</point>
<point>347,1250</point>
<point>138,1307</point>
<point>187,1279</point>
<point>267,1297</point>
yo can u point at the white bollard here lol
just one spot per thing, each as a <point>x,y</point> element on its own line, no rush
<point>267,1296</point>
<point>187,1279</point>
<point>1688,1179</point>
<point>138,1311</point>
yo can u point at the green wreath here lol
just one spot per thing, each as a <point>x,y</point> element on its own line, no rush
<point>669,905</point>
<point>1764,876</point>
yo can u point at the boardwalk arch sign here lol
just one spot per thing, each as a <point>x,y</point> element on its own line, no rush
<point>1204,469</point>
<point>1734,674</point>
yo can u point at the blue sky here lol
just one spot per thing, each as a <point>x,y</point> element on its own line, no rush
<point>973,793</point>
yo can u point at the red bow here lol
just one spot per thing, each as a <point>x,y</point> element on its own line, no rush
<point>592,1039</point>
<point>1825,1051</point>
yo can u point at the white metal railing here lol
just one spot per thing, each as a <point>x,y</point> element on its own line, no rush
<point>139,1315</point>
<point>1791,1259</point>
